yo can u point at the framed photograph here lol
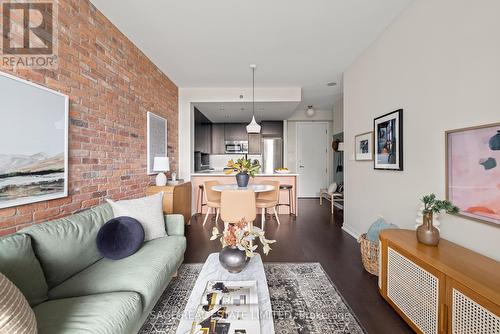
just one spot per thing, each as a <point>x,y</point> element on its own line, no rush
<point>364,146</point>
<point>473,171</point>
<point>388,131</point>
<point>157,139</point>
<point>34,143</point>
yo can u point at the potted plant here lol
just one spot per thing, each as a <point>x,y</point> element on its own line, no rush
<point>238,245</point>
<point>427,233</point>
<point>245,169</point>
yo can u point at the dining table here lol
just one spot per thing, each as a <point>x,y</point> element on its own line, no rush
<point>257,188</point>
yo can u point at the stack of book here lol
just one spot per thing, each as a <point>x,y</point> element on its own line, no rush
<point>228,307</point>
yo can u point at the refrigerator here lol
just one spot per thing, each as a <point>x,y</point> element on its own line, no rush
<point>272,154</point>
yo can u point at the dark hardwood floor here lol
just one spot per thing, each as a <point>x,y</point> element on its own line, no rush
<point>315,236</point>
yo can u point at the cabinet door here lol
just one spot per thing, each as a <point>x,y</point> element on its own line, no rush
<point>218,146</point>
<point>235,132</point>
<point>416,291</point>
<point>254,143</point>
<point>469,312</point>
<point>272,129</point>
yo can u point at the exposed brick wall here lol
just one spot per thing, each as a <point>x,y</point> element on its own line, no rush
<point>111,85</point>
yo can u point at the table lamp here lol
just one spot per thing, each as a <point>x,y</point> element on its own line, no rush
<point>161,165</point>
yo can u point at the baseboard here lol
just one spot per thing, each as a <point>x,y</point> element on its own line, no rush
<point>353,233</point>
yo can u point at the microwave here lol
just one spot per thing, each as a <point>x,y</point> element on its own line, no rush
<point>234,147</point>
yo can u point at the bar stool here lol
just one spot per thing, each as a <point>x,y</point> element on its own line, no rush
<point>199,199</point>
<point>289,188</point>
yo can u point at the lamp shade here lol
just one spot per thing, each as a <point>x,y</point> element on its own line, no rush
<point>253,127</point>
<point>341,147</point>
<point>161,164</point>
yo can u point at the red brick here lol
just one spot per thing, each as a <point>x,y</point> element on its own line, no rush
<point>111,86</point>
<point>7,231</point>
<point>8,212</point>
<point>45,214</point>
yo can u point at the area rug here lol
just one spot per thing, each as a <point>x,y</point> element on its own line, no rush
<point>303,298</point>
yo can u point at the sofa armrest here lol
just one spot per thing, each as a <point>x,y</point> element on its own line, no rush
<point>174,224</point>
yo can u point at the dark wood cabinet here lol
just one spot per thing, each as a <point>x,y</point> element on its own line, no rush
<point>218,145</point>
<point>272,129</point>
<point>254,143</point>
<point>235,132</point>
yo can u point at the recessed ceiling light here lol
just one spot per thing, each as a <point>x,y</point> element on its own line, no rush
<point>331,84</point>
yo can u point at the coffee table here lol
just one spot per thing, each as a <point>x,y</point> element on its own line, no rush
<point>213,271</point>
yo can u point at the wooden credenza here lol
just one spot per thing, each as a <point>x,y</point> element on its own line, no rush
<point>437,290</point>
<point>176,198</point>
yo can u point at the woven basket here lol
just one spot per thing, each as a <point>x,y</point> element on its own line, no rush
<point>369,254</point>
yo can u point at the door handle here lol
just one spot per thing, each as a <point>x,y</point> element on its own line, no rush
<point>301,166</point>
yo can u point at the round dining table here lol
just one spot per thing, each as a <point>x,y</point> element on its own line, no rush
<point>258,188</point>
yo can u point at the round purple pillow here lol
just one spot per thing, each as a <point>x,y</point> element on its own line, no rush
<point>120,237</point>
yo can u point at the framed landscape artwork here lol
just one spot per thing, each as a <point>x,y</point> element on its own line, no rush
<point>33,143</point>
<point>157,139</point>
<point>363,149</point>
<point>473,171</point>
<point>388,130</point>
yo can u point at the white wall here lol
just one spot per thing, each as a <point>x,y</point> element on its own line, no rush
<point>338,116</point>
<point>188,96</point>
<point>440,62</point>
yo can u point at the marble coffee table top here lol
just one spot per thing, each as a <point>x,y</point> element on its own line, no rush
<point>213,271</point>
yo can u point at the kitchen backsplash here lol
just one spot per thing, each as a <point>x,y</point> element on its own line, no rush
<point>218,162</point>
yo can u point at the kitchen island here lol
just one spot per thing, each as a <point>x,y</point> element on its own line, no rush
<point>199,178</point>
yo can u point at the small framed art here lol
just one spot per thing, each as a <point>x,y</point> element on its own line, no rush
<point>388,130</point>
<point>363,149</point>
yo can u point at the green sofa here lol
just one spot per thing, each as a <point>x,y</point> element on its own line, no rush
<point>73,289</point>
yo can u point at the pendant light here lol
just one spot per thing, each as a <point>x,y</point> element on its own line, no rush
<point>253,127</point>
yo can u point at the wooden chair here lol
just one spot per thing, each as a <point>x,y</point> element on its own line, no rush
<point>237,205</point>
<point>213,200</point>
<point>269,199</point>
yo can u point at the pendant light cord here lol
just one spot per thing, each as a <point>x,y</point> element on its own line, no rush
<point>253,92</point>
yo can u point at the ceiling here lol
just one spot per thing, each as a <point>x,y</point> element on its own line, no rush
<point>241,112</point>
<point>295,43</point>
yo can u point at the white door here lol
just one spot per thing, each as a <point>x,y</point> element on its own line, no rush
<point>312,158</point>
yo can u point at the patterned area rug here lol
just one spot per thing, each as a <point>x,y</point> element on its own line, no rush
<point>303,298</point>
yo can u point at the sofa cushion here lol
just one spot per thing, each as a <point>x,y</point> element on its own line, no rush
<point>67,246</point>
<point>147,210</point>
<point>16,316</point>
<point>120,237</point>
<point>109,313</point>
<point>19,264</point>
<point>146,272</point>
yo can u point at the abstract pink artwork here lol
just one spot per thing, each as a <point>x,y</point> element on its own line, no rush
<point>473,167</point>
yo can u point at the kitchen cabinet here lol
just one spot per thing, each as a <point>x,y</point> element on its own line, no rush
<point>272,129</point>
<point>254,143</point>
<point>235,132</point>
<point>203,137</point>
<point>218,145</point>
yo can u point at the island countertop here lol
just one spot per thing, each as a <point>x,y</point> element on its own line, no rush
<point>199,178</point>
<point>221,173</point>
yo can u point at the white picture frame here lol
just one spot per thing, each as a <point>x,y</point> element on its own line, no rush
<point>34,132</point>
<point>157,140</point>
<point>363,146</point>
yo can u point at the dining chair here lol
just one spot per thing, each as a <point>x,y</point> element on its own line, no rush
<point>269,199</point>
<point>237,205</point>
<point>213,199</point>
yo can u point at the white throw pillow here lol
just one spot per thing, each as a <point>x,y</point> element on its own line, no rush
<point>16,315</point>
<point>147,210</point>
<point>332,188</point>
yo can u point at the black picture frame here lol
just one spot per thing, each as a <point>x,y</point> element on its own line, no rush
<point>388,141</point>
